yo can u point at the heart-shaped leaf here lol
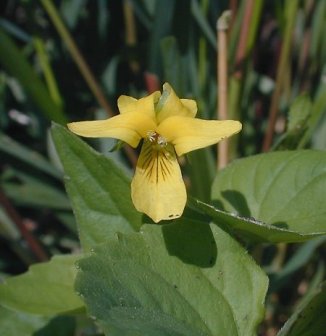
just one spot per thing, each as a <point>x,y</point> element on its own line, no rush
<point>46,289</point>
<point>186,278</point>
<point>283,189</point>
<point>98,189</point>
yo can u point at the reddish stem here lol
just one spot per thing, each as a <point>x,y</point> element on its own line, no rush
<point>242,45</point>
<point>33,243</point>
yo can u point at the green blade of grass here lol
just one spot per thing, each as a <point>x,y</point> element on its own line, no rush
<point>16,65</point>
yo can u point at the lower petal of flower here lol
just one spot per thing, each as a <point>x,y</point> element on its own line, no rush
<point>128,127</point>
<point>157,188</point>
<point>188,134</point>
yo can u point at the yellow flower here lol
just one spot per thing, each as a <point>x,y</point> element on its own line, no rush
<point>168,127</point>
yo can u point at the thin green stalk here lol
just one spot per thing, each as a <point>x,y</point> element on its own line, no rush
<point>290,15</point>
<point>47,71</point>
<point>13,61</point>
<point>222,87</point>
<point>202,52</point>
<point>76,55</point>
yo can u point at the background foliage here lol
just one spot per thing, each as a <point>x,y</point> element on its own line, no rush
<point>277,65</point>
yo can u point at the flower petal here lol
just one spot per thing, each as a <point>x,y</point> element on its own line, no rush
<point>144,105</point>
<point>125,103</point>
<point>128,127</point>
<point>170,105</point>
<point>157,188</point>
<point>188,134</point>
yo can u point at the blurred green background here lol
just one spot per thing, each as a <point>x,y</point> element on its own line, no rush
<point>70,60</point>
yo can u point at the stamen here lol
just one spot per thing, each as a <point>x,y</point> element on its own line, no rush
<point>161,141</point>
<point>151,135</point>
<point>156,138</point>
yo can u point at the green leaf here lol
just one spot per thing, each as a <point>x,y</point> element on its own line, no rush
<point>16,64</point>
<point>284,189</point>
<point>310,318</point>
<point>19,324</point>
<point>98,189</point>
<point>174,69</point>
<point>161,27</point>
<point>300,258</point>
<point>46,289</point>
<point>8,229</point>
<point>297,123</point>
<point>71,11</point>
<point>26,155</point>
<point>29,191</point>
<point>59,325</point>
<point>186,278</point>
<point>317,111</point>
<point>299,112</point>
<point>201,164</point>
<point>248,227</point>
<point>203,23</point>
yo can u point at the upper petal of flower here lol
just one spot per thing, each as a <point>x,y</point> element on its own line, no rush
<point>157,188</point>
<point>188,134</point>
<point>171,105</point>
<point>144,105</point>
<point>128,127</point>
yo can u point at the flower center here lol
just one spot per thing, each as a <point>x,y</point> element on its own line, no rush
<point>156,139</point>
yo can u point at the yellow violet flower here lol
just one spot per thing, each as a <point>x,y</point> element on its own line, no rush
<point>168,127</point>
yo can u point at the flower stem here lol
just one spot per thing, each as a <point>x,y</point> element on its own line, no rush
<point>83,67</point>
<point>77,56</point>
<point>222,74</point>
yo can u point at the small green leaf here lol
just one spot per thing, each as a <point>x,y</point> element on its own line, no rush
<point>310,318</point>
<point>284,189</point>
<point>99,190</point>
<point>46,289</point>
<point>297,123</point>
<point>186,278</point>
<point>299,113</point>
<point>20,324</point>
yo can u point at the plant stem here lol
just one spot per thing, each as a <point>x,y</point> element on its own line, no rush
<point>291,10</point>
<point>247,31</point>
<point>28,237</point>
<point>131,33</point>
<point>47,71</point>
<point>222,74</point>
<point>243,44</point>
<point>202,53</point>
<point>77,56</point>
<point>83,67</point>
